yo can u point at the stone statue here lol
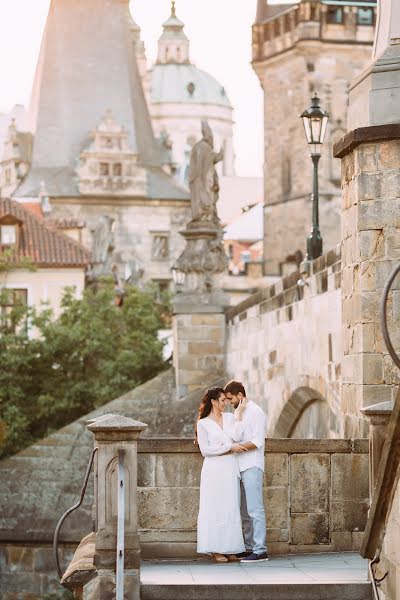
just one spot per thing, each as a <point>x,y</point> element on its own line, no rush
<point>203,178</point>
<point>103,247</point>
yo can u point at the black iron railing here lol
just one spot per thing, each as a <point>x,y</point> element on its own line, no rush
<point>69,511</point>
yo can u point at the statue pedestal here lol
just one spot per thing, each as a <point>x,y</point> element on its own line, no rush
<point>375,94</point>
<point>199,310</point>
<point>199,344</point>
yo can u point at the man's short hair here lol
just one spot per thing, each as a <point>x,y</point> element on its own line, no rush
<point>234,387</point>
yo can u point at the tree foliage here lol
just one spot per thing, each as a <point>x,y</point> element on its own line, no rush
<point>94,352</point>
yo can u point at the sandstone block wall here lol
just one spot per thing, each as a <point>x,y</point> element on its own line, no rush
<point>370,250</point>
<point>309,503</point>
<point>28,572</point>
<point>199,348</point>
<point>285,344</point>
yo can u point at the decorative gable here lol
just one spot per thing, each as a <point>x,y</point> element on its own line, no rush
<point>108,165</point>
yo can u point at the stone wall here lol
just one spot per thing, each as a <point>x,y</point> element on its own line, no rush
<point>27,572</point>
<point>310,506</point>
<point>285,344</point>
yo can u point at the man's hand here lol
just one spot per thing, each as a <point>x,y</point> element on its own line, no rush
<point>238,413</point>
<point>236,448</point>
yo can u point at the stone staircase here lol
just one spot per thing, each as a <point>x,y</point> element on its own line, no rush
<point>333,576</point>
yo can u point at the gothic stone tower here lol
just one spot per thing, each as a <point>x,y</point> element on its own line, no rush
<point>95,158</point>
<point>298,49</point>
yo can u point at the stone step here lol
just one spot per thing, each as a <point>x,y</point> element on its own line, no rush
<point>273,591</point>
<point>325,576</point>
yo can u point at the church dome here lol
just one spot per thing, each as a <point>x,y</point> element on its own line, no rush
<point>183,82</point>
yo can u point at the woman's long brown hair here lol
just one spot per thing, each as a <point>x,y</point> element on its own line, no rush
<point>213,393</point>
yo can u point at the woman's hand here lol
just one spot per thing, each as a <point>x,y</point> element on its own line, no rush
<point>240,409</point>
<point>238,448</point>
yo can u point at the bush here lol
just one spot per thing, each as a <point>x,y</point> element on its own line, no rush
<point>94,352</point>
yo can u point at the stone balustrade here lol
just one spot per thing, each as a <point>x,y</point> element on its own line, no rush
<point>316,495</point>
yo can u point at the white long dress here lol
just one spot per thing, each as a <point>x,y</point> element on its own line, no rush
<point>219,526</point>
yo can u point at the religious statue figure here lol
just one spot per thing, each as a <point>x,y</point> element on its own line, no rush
<point>203,178</point>
<point>102,248</point>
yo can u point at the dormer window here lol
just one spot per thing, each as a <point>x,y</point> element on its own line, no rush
<point>8,235</point>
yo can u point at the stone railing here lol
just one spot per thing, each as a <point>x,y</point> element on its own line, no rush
<point>310,504</point>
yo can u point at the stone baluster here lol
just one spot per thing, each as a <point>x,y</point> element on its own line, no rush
<point>378,417</point>
<point>114,433</point>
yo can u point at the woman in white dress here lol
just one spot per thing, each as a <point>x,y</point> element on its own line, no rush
<point>219,526</point>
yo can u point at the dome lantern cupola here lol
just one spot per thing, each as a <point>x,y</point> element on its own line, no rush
<point>173,45</point>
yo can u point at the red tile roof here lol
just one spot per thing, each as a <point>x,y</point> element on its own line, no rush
<point>35,208</point>
<point>44,246</point>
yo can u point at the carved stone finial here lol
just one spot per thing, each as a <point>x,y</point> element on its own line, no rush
<point>173,12</point>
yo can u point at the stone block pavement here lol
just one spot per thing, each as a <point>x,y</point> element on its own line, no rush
<point>327,576</point>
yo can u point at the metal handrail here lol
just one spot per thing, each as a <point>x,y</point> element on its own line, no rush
<point>383,316</point>
<point>372,577</point>
<point>69,511</point>
<point>120,527</point>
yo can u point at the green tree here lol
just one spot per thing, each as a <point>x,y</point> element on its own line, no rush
<point>94,352</point>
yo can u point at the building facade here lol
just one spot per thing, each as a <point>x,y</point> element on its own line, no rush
<point>37,263</point>
<point>299,49</point>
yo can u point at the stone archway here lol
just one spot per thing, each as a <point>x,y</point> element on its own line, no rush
<point>305,415</point>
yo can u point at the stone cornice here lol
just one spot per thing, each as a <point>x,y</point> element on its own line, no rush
<point>365,135</point>
<point>279,445</point>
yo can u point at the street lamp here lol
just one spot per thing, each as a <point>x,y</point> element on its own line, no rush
<point>315,121</point>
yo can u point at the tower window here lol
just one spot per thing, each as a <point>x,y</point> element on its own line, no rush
<point>117,169</point>
<point>334,15</point>
<point>267,33</point>
<point>365,16</point>
<point>104,169</point>
<point>191,87</point>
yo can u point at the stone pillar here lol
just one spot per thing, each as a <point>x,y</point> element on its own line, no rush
<point>378,417</point>
<point>371,224</point>
<point>370,250</point>
<point>199,345</point>
<point>199,321</point>
<point>114,433</point>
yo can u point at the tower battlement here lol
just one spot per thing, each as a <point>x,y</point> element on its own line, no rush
<point>281,27</point>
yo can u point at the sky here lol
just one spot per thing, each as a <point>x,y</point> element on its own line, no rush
<point>220,34</point>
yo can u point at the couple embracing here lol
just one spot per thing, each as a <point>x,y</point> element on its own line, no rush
<point>231,523</point>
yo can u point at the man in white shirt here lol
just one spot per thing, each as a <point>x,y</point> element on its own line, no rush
<point>251,465</point>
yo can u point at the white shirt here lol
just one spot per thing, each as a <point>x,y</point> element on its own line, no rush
<point>253,430</point>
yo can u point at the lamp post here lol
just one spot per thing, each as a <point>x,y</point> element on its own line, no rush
<point>315,121</point>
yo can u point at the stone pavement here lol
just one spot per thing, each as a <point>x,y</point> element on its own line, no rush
<point>341,568</point>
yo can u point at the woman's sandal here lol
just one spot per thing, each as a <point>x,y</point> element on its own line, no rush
<point>233,558</point>
<point>220,558</point>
